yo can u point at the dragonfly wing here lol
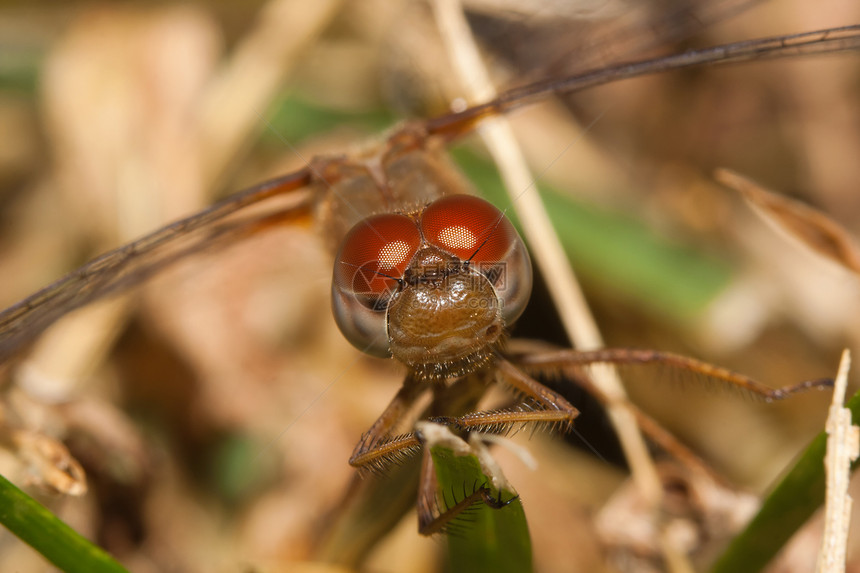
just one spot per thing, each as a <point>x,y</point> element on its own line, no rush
<point>129,265</point>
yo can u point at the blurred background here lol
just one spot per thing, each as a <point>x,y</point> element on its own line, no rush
<point>213,409</point>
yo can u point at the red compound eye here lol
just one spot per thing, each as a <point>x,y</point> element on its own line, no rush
<point>468,227</point>
<point>375,254</point>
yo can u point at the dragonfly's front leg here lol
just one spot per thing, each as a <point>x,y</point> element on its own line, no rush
<point>432,518</point>
<point>540,406</point>
<point>377,447</point>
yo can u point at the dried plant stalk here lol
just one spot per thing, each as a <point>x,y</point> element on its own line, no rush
<point>843,446</point>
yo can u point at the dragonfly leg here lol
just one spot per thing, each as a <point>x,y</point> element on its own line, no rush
<point>377,447</point>
<point>540,406</point>
<point>434,517</point>
<point>574,363</point>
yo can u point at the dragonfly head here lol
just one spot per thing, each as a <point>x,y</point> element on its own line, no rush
<point>434,289</point>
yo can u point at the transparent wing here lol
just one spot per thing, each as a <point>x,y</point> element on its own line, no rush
<point>566,38</point>
<point>126,266</point>
<point>817,42</point>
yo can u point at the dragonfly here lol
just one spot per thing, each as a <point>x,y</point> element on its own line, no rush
<point>134,262</point>
<point>315,190</point>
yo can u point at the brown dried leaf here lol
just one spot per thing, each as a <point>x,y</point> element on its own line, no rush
<point>50,462</point>
<point>811,227</point>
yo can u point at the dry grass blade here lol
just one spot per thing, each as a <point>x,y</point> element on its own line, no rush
<point>253,76</point>
<point>578,321</point>
<point>812,228</point>
<point>793,501</point>
<point>842,450</point>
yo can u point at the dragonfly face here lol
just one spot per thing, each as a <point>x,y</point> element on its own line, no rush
<point>434,288</point>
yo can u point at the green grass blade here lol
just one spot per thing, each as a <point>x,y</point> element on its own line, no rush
<point>789,506</point>
<point>56,541</point>
<point>492,540</point>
